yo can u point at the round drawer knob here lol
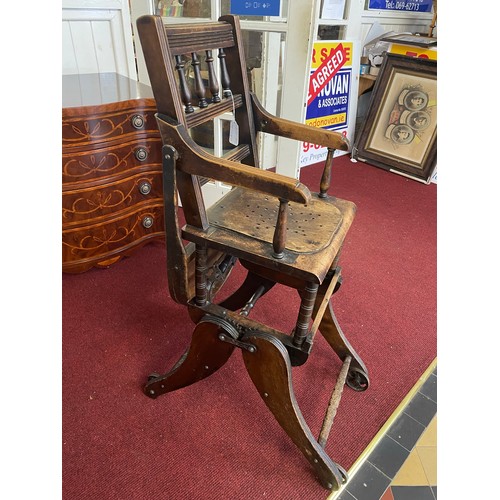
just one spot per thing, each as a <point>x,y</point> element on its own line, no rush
<point>145,188</point>
<point>147,221</point>
<point>137,121</point>
<point>141,154</point>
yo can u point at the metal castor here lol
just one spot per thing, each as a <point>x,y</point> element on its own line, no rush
<point>343,473</point>
<point>152,376</point>
<point>357,380</point>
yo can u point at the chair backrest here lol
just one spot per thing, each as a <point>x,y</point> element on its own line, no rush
<point>198,98</point>
<point>191,101</point>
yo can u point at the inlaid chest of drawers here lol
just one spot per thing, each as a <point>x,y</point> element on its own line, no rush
<point>112,201</point>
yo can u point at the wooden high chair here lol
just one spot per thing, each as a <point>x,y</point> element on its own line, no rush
<point>278,230</point>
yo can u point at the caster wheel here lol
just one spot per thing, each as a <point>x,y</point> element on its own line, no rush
<point>152,376</point>
<point>357,380</point>
<point>343,473</point>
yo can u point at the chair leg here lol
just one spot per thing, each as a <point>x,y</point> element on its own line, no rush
<point>271,372</point>
<point>205,356</point>
<point>329,327</point>
<point>240,297</point>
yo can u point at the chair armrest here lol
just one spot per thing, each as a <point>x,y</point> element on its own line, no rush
<point>196,161</point>
<point>266,122</point>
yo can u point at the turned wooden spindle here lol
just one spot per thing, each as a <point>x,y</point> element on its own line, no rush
<point>224,75</point>
<point>253,299</point>
<point>305,313</point>
<point>201,275</point>
<point>213,83</point>
<point>327,174</point>
<point>183,86</point>
<point>279,238</point>
<point>199,86</point>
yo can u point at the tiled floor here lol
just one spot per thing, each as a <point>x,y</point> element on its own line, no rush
<point>403,463</point>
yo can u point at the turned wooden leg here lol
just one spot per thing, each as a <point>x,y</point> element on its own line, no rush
<point>205,355</point>
<point>271,372</point>
<point>240,297</point>
<point>329,327</point>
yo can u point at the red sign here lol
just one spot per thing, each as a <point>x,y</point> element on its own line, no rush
<point>326,72</point>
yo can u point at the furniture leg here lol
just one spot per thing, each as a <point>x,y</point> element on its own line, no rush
<point>240,297</point>
<point>329,327</point>
<point>205,355</point>
<point>271,372</point>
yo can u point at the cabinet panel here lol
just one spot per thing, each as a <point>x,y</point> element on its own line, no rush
<point>101,244</point>
<point>99,163</point>
<point>85,125</point>
<point>97,203</point>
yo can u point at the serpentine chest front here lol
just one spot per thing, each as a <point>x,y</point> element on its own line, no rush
<point>112,200</point>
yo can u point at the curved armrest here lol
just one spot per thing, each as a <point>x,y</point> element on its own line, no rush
<point>196,161</point>
<point>266,122</point>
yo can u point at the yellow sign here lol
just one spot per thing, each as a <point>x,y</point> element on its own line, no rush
<point>411,50</point>
<point>327,121</point>
<point>321,51</point>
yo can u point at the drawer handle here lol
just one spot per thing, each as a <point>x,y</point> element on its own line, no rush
<point>147,221</point>
<point>141,154</point>
<point>137,121</point>
<point>145,188</point>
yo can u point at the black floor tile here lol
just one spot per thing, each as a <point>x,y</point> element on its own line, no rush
<point>421,408</point>
<point>412,493</point>
<point>377,472</point>
<point>388,456</point>
<point>345,495</point>
<point>369,483</point>
<point>406,431</point>
<point>429,388</point>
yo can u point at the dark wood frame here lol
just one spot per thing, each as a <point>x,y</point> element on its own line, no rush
<point>405,39</point>
<point>390,113</point>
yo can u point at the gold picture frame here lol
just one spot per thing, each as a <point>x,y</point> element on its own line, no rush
<point>400,130</point>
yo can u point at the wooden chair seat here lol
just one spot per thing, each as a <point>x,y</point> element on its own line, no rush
<point>245,220</point>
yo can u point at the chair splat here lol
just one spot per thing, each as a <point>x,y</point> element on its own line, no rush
<point>196,85</point>
<point>198,81</point>
<point>183,86</point>
<point>213,83</point>
<point>224,75</point>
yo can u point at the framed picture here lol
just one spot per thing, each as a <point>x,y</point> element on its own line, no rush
<point>404,39</point>
<point>400,130</point>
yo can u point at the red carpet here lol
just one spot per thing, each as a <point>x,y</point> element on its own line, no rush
<point>216,439</point>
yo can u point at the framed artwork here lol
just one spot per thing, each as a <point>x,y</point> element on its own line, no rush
<point>400,130</point>
<point>406,39</point>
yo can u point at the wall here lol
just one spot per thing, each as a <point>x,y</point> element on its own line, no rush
<point>97,37</point>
